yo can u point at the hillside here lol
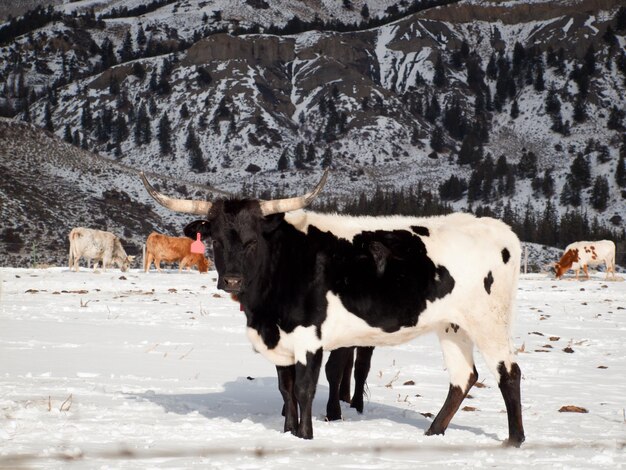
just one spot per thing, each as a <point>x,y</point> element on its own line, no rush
<point>49,186</point>
<point>491,106</point>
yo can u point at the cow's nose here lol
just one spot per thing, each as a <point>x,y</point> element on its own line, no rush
<point>232,283</point>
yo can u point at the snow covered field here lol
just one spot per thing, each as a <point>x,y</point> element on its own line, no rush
<point>137,371</point>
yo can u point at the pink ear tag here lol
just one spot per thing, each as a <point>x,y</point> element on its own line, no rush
<point>197,246</point>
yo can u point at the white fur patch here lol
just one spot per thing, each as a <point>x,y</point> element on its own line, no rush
<point>342,328</point>
<point>291,348</point>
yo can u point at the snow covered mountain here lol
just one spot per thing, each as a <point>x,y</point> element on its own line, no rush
<point>489,105</point>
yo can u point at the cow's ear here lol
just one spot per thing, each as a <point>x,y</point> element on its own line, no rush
<point>197,226</point>
<point>271,222</point>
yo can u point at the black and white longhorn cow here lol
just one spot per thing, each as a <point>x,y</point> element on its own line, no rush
<point>310,282</point>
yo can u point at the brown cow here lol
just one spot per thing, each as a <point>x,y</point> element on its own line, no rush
<point>169,249</point>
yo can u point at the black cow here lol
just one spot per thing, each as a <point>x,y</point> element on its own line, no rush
<point>310,281</point>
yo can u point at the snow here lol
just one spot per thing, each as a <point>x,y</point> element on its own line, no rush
<point>135,370</point>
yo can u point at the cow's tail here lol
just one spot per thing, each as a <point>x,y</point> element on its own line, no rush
<point>73,235</point>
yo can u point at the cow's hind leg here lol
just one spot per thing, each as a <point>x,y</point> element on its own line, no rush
<point>457,350</point>
<point>338,361</point>
<point>286,382</point>
<point>346,378</point>
<point>498,355</point>
<point>361,370</point>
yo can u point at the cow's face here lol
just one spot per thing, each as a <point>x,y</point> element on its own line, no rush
<point>558,270</point>
<point>125,263</point>
<point>239,236</point>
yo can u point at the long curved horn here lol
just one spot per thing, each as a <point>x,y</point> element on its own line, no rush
<point>179,205</point>
<point>294,203</point>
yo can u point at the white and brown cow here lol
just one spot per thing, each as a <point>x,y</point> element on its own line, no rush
<point>579,255</point>
<point>173,249</point>
<point>99,246</point>
<point>310,282</point>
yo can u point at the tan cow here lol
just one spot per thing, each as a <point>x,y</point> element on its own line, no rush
<point>99,246</point>
<point>583,254</point>
<point>171,249</point>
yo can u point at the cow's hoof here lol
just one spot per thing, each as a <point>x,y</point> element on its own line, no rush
<point>514,441</point>
<point>435,432</point>
<point>334,417</point>
<point>357,405</point>
<point>305,435</point>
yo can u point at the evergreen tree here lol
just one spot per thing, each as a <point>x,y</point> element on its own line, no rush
<point>580,171</point>
<point>580,110</point>
<point>141,37</point>
<point>196,159</point>
<point>519,56</point>
<point>107,56</point>
<point>143,131</point>
<point>164,135</point>
<point>547,185</point>
<point>487,187</point>
<point>283,161</point>
<point>120,129</point>
<point>439,78</point>
<point>86,119</point>
<point>547,230</point>
<point>454,120</point>
<point>570,194</point>
<point>184,111</point>
<point>433,110</point>
<point>299,156</point>
<point>204,76</point>
<point>327,158</point>
<point>139,71</point>
<point>67,134</point>
<point>553,104</point>
<point>620,19</point>
<point>310,154</point>
<point>474,187</point>
<point>48,125</point>
<point>365,12</point>
<point>154,82</point>
<point>492,68</point>
<point>539,83</point>
<point>471,152</point>
<point>126,50</point>
<point>590,60</point>
<point>616,117</point>
<point>620,172</point>
<point>502,166</point>
<point>527,166</point>
<point>452,189</point>
<point>436,139</point>
<point>600,193</point>
<point>163,86</point>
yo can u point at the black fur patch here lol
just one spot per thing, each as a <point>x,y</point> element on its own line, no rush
<point>488,282</point>
<point>419,230</point>
<point>506,256</point>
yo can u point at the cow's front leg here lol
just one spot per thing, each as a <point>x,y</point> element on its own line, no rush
<point>286,380</point>
<point>306,383</point>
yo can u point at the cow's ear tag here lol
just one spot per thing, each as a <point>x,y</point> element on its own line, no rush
<point>197,246</point>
